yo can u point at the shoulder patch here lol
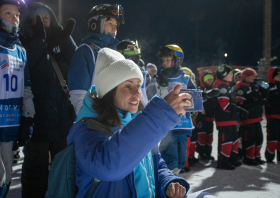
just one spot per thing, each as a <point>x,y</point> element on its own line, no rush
<point>240,92</point>
<point>223,90</point>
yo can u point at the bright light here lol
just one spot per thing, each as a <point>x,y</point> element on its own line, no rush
<point>225,54</point>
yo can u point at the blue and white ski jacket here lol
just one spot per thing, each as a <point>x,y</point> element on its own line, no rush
<point>13,77</point>
<point>180,77</point>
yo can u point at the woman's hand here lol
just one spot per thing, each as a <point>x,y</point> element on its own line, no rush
<point>175,100</point>
<point>175,190</point>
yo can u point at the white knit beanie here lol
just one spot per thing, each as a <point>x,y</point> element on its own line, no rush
<point>112,69</point>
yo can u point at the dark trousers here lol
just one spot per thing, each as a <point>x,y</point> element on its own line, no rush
<point>205,139</point>
<point>35,168</point>
<point>273,139</point>
<point>227,146</point>
<point>252,139</point>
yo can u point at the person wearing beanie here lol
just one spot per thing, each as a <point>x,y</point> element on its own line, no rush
<point>250,96</point>
<point>152,87</point>
<point>103,22</point>
<point>203,137</point>
<point>126,152</point>
<point>272,110</point>
<point>225,118</point>
<point>48,45</point>
<point>15,88</point>
<point>151,69</point>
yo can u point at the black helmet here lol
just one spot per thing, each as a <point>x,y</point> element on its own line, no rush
<point>6,26</point>
<point>222,71</point>
<point>102,11</point>
<point>128,48</point>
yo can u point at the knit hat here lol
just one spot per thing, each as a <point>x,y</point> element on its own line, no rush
<point>222,71</point>
<point>151,66</point>
<point>248,72</point>
<point>40,11</point>
<point>112,69</point>
<point>207,77</point>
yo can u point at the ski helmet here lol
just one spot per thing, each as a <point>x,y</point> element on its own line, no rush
<point>5,25</point>
<point>128,48</point>
<point>222,71</point>
<point>174,51</point>
<point>103,11</point>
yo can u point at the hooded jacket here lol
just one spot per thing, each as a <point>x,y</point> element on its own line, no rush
<point>225,112</point>
<point>54,114</point>
<point>272,108</point>
<point>113,159</point>
<point>11,46</point>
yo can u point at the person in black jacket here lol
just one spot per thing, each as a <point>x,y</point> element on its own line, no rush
<point>205,119</point>
<point>43,39</point>
<point>250,96</point>
<point>272,110</point>
<point>225,118</point>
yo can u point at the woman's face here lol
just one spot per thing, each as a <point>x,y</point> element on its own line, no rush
<point>128,95</point>
<point>111,26</point>
<point>250,79</point>
<point>10,13</point>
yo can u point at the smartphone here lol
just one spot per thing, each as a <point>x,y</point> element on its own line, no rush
<point>196,99</point>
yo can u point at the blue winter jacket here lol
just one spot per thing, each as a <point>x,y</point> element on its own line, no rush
<point>112,159</point>
<point>83,63</point>
<point>9,41</point>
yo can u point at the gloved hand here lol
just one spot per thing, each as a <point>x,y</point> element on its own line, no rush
<point>60,34</point>
<point>25,130</point>
<point>68,29</point>
<point>39,28</point>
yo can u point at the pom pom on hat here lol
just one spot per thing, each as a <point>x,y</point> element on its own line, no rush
<point>112,69</point>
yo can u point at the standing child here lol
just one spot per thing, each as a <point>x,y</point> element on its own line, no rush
<point>272,110</point>
<point>15,96</point>
<point>250,97</point>
<point>103,22</point>
<point>173,146</point>
<point>225,117</point>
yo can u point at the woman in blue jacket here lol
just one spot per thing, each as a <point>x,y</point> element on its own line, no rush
<point>103,22</point>
<point>128,163</point>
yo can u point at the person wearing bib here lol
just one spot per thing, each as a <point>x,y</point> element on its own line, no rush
<point>173,146</point>
<point>103,22</point>
<point>15,95</point>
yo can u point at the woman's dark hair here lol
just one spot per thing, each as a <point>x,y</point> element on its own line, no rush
<point>106,109</point>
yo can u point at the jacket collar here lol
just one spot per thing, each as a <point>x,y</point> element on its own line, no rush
<point>101,40</point>
<point>8,40</point>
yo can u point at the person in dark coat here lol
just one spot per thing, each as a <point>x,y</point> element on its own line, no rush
<point>272,110</point>
<point>45,38</point>
<point>226,121</point>
<point>250,96</point>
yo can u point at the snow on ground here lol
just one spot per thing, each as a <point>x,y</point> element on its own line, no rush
<point>243,182</point>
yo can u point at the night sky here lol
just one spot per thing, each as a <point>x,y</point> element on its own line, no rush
<point>233,27</point>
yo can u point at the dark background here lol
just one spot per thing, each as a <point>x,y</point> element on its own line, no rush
<point>232,27</point>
